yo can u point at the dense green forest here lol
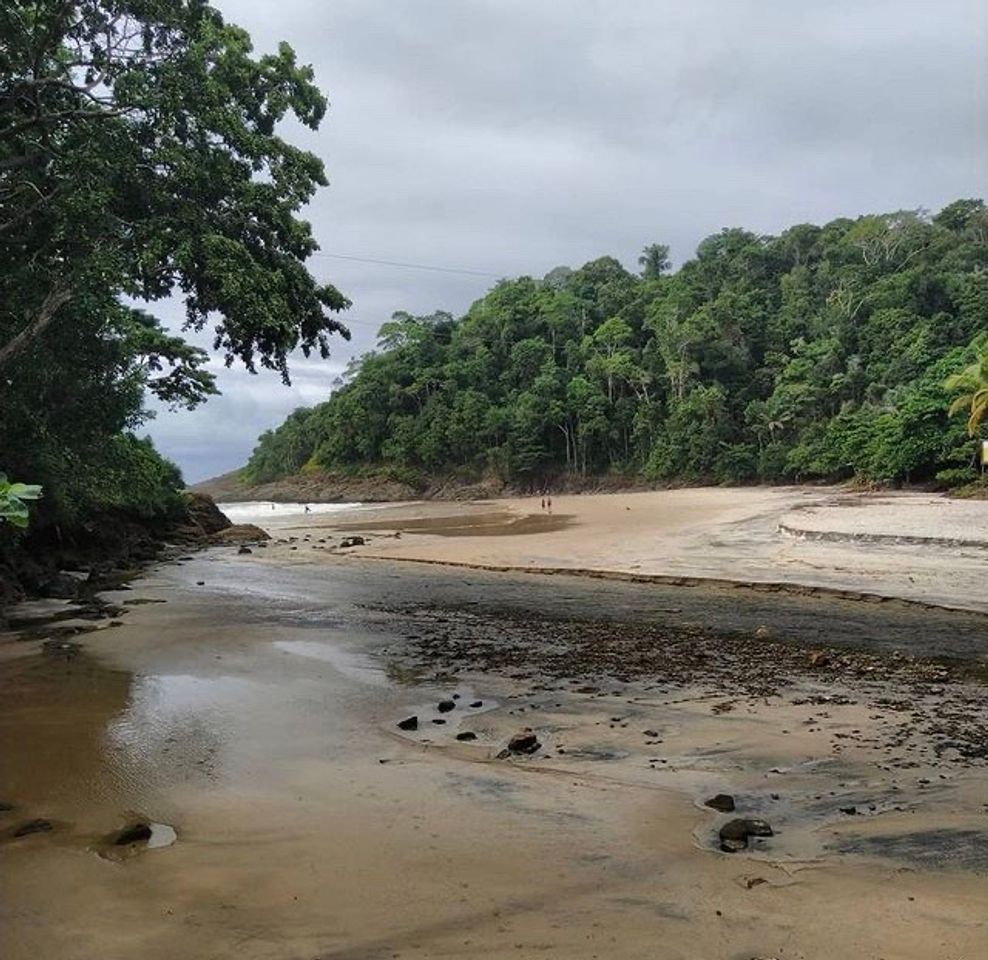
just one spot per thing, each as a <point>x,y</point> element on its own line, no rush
<point>139,160</point>
<point>820,353</point>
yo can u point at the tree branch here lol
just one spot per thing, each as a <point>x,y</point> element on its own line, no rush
<point>57,297</point>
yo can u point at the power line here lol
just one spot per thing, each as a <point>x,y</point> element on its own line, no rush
<point>410,266</point>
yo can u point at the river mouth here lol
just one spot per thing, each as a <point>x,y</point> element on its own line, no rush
<point>258,717</point>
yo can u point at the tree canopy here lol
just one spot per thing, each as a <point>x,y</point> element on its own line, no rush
<point>819,353</point>
<point>139,160</point>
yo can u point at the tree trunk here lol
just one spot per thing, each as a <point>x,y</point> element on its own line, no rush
<point>57,297</point>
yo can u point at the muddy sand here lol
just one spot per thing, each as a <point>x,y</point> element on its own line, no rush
<point>254,711</point>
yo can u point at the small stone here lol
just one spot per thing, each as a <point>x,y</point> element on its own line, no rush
<point>445,706</point>
<point>439,720</point>
<point>476,704</point>
<point>466,736</point>
<point>525,742</point>
<point>200,583</point>
<point>759,828</point>
<point>850,811</point>
<point>243,548</point>
<point>352,542</point>
<point>409,723</point>
<point>650,733</point>
<point>33,826</point>
<point>818,658</point>
<point>135,833</point>
<point>734,834</point>
<point>722,802</point>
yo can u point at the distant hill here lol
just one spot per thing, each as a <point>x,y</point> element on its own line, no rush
<point>226,487</point>
<point>819,354</point>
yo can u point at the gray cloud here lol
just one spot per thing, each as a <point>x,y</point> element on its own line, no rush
<point>508,137</point>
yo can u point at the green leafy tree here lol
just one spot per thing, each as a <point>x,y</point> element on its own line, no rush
<point>138,153</point>
<point>654,261</point>
<point>820,353</point>
<point>140,159</point>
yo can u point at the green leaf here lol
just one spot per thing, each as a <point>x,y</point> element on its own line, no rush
<point>25,491</point>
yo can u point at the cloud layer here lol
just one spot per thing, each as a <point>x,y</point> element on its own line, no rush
<point>508,137</point>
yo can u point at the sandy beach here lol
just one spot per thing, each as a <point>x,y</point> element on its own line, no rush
<point>919,547</point>
<point>255,709</point>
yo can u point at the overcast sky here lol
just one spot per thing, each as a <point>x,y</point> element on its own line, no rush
<point>510,136</point>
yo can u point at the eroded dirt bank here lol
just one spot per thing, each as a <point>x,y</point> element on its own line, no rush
<point>256,712</point>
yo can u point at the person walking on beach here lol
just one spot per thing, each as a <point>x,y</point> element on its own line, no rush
<point>543,503</point>
<point>548,504</point>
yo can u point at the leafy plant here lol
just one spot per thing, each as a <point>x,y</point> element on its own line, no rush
<point>972,385</point>
<point>13,497</point>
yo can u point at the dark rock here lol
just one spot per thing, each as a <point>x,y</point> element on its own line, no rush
<point>735,833</point>
<point>33,826</point>
<point>476,704</point>
<point>438,720</point>
<point>240,533</point>
<point>723,802</point>
<point>204,513</point>
<point>352,542</point>
<point>525,742</point>
<point>410,723</point>
<point>466,736</point>
<point>445,706</point>
<point>62,586</point>
<point>135,833</point>
<point>850,811</point>
<point>759,828</point>
<point>650,733</point>
<point>200,583</point>
<point>243,548</point>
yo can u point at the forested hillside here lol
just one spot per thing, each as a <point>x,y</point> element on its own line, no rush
<point>820,353</point>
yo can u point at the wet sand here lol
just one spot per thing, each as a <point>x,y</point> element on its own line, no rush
<point>256,710</point>
<point>921,547</point>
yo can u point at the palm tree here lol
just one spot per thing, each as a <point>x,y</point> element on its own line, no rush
<point>972,382</point>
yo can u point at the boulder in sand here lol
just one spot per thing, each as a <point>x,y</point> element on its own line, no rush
<point>734,835</point>
<point>524,742</point>
<point>409,723</point>
<point>722,802</point>
<point>240,533</point>
<point>203,513</point>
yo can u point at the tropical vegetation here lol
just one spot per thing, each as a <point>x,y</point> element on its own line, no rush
<point>140,160</point>
<point>820,353</point>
